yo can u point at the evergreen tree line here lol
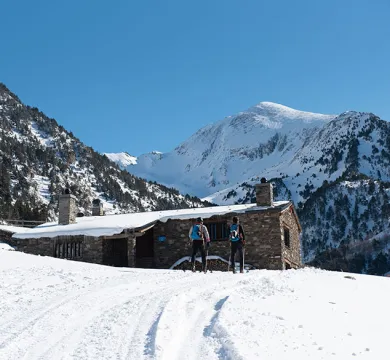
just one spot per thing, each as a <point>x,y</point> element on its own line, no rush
<point>33,145</point>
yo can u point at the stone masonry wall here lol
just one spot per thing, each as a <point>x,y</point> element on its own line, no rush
<point>91,247</point>
<point>263,240</point>
<point>42,246</point>
<point>292,254</point>
<point>5,236</point>
<point>263,245</point>
<point>92,250</point>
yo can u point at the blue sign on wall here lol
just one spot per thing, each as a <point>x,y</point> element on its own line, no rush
<point>162,238</point>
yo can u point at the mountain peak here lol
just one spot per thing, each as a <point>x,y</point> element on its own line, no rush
<point>281,112</point>
<point>6,94</point>
<point>272,105</point>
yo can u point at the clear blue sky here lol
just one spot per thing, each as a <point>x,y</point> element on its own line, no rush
<point>143,75</point>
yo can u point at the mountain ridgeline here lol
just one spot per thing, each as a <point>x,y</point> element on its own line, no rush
<point>39,158</point>
<point>334,168</point>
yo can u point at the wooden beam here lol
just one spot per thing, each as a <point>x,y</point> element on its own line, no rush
<point>118,236</point>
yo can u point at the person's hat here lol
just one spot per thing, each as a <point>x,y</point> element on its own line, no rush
<point>199,219</point>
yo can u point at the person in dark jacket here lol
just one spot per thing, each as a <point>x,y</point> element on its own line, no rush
<point>200,240</point>
<point>237,242</point>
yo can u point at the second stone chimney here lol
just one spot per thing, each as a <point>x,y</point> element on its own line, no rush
<point>97,208</point>
<point>264,193</point>
<point>67,208</point>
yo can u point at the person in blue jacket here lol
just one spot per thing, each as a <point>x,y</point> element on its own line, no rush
<point>237,242</point>
<point>200,240</point>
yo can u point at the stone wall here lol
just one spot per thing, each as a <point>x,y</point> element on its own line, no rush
<point>91,247</point>
<point>262,231</point>
<point>177,243</point>
<point>263,244</point>
<point>5,236</point>
<point>93,250</point>
<point>42,246</point>
<point>291,254</point>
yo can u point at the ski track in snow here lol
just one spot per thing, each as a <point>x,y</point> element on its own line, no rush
<point>159,320</point>
<point>58,309</point>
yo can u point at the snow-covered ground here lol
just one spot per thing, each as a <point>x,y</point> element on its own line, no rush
<point>59,309</point>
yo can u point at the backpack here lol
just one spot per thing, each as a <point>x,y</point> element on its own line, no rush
<point>234,232</point>
<point>196,233</point>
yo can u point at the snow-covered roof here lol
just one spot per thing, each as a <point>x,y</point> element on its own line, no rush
<point>13,229</point>
<point>114,224</point>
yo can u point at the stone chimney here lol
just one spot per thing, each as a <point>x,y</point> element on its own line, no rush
<point>264,193</point>
<point>97,208</point>
<point>67,208</point>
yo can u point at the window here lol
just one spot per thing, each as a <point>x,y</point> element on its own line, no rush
<point>218,231</point>
<point>286,234</point>
<point>69,249</point>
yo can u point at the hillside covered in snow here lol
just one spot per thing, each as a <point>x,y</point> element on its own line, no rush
<point>59,309</point>
<point>231,150</point>
<point>39,159</point>
<point>336,169</point>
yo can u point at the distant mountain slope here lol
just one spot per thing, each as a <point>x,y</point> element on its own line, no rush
<point>39,158</point>
<point>232,150</point>
<point>336,169</point>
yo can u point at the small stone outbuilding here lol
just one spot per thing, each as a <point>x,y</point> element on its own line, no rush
<point>158,239</point>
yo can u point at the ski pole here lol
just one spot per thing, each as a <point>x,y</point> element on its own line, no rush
<point>243,259</point>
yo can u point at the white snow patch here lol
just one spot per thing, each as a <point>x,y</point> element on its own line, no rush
<point>122,159</point>
<point>6,247</point>
<point>59,309</point>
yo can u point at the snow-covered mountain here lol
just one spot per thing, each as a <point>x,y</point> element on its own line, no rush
<point>60,309</point>
<point>232,150</point>
<point>304,154</point>
<point>39,158</point>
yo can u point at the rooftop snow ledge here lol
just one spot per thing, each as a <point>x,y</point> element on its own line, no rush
<point>114,224</point>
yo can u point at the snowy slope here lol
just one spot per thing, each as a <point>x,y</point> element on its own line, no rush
<point>274,141</point>
<point>232,150</point>
<point>58,309</point>
<point>303,155</point>
<point>122,159</point>
<point>39,158</point>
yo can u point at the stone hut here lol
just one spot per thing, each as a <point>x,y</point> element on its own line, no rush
<point>158,239</point>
